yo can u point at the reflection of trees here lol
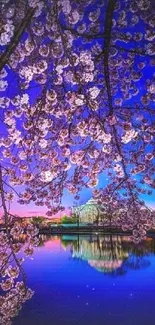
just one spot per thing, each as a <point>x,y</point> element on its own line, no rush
<point>112,254</point>
<point>136,262</point>
<point>139,255</point>
<point>103,253</point>
<point>109,254</point>
<point>45,238</point>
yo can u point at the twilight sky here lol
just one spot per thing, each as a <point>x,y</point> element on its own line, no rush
<point>68,201</point>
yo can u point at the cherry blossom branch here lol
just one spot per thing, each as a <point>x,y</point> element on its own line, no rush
<point>118,186</point>
<point>137,51</point>
<point>108,37</point>
<point>7,228</point>
<point>6,261</point>
<point>11,188</point>
<point>3,200</point>
<point>16,38</point>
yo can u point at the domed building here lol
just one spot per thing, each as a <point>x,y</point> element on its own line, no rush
<point>91,212</point>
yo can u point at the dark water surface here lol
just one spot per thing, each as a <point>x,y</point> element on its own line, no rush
<point>90,281</point>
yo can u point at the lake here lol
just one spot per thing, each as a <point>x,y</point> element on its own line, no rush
<point>90,280</point>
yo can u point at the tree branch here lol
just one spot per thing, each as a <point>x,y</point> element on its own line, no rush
<point>107,30</point>
<point>16,38</point>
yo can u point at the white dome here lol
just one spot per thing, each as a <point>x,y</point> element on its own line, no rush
<point>91,201</point>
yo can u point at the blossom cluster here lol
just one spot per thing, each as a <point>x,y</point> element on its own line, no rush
<point>68,120</point>
<point>15,292</point>
<point>7,32</point>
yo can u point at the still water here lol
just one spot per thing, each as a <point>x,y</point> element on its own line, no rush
<point>90,280</point>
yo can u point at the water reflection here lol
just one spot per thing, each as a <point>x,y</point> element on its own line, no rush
<point>110,254</point>
<point>80,274</point>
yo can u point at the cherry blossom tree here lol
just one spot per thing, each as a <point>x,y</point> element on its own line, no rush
<point>77,100</point>
<point>14,291</point>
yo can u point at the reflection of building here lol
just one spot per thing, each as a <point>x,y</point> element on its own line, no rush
<point>104,253</point>
<point>90,212</point>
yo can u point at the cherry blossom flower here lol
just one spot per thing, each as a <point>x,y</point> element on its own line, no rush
<point>149,156</point>
<point>74,17</point>
<point>94,92</point>
<point>92,183</point>
<point>47,176</point>
<point>6,284</point>
<point>105,137</point>
<point>129,136</point>
<point>3,85</point>
<point>3,239</point>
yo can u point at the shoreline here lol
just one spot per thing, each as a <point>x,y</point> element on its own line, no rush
<point>85,231</point>
<point>89,231</point>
